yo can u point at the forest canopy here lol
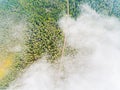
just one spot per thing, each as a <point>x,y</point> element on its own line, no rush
<point>35,24</point>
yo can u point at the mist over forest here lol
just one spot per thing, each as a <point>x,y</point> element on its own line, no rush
<point>65,44</point>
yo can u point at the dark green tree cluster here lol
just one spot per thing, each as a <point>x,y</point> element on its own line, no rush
<point>74,6</point>
<point>45,36</point>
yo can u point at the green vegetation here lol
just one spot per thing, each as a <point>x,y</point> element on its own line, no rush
<point>45,36</point>
<point>42,37</point>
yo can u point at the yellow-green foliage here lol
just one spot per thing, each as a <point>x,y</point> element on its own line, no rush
<point>44,35</point>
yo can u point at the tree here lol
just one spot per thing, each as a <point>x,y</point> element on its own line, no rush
<point>45,36</point>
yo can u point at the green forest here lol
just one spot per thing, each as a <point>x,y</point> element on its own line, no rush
<point>40,34</point>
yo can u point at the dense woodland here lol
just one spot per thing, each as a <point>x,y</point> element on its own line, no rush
<point>43,35</point>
